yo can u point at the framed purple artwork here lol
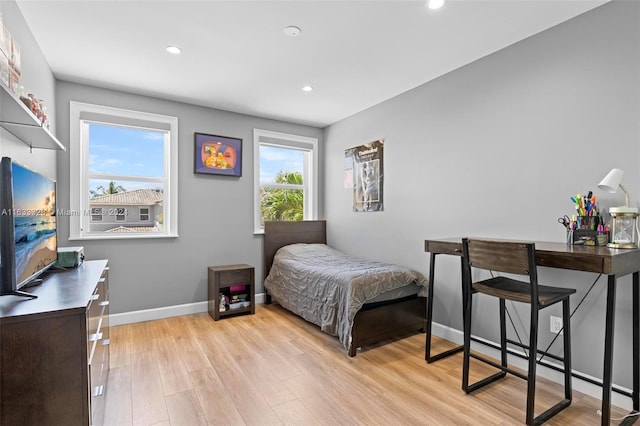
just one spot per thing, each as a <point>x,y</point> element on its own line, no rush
<point>217,155</point>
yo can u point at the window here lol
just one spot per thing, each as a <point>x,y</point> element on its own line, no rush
<point>96,215</point>
<point>121,214</point>
<point>122,161</point>
<point>285,177</point>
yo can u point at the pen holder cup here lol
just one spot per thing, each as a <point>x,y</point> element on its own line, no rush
<point>585,232</point>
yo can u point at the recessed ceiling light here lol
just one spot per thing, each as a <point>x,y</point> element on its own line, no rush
<point>292,31</point>
<point>307,88</point>
<point>174,50</point>
<point>435,4</point>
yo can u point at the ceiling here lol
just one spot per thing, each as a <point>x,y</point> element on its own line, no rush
<point>236,57</point>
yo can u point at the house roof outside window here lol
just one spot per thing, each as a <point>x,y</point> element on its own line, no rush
<point>123,229</point>
<point>138,197</point>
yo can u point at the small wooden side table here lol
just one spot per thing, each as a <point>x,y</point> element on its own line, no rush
<point>231,290</point>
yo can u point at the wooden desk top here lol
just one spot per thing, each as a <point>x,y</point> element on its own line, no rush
<point>596,259</point>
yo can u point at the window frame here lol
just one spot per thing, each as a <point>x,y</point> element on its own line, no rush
<point>141,214</point>
<point>95,217</point>
<point>82,113</point>
<point>306,144</point>
<point>120,214</point>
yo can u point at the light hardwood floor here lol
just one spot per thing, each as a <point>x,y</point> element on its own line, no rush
<point>273,368</point>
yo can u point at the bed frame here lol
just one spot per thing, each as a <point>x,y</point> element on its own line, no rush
<point>374,322</point>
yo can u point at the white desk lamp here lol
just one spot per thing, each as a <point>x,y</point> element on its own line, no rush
<point>624,232</point>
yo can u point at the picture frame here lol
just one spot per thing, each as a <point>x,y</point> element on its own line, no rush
<point>217,155</point>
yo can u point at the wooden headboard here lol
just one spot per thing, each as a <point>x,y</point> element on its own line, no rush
<point>279,234</point>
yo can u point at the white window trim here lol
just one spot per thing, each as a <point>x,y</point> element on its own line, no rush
<point>311,184</point>
<point>78,157</point>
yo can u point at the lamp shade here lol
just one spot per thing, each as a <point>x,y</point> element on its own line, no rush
<point>611,181</point>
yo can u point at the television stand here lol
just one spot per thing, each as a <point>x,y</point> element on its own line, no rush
<point>21,294</point>
<point>33,283</point>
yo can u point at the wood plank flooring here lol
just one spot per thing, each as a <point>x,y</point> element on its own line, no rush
<point>273,368</point>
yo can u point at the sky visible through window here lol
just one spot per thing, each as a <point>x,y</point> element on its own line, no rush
<point>274,160</point>
<point>125,151</point>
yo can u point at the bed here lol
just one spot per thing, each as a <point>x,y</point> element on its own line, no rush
<point>359,301</point>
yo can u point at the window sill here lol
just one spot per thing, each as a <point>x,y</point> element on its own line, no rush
<point>120,237</point>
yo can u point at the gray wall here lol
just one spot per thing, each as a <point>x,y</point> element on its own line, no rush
<point>36,77</point>
<point>215,213</point>
<point>496,148</point>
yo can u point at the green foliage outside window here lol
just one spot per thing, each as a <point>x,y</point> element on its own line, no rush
<point>112,188</point>
<point>280,203</point>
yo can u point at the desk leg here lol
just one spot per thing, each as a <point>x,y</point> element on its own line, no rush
<point>636,341</point>
<point>608,350</point>
<point>427,349</point>
<point>636,351</point>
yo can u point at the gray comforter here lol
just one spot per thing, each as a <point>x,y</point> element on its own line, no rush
<point>328,287</point>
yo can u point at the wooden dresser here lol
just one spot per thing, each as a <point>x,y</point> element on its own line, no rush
<point>54,350</point>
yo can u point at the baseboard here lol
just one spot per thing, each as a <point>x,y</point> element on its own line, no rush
<point>579,385</point>
<point>165,312</point>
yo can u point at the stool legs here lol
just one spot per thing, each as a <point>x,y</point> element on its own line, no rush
<point>566,321</point>
<point>533,363</point>
<point>566,315</point>
<point>532,360</point>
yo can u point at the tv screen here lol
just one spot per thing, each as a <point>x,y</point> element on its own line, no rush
<point>34,223</point>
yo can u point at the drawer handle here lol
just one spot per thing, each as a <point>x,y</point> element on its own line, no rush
<point>95,296</point>
<point>95,337</point>
<point>102,280</point>
<point>98,391</point>
<point>104,303</point>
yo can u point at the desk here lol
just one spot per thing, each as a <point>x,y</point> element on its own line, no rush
<point>612,262</point>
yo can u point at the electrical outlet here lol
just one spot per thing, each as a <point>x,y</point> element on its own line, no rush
<point>555,324</point>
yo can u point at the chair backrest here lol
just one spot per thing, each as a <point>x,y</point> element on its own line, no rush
<point>501,256</point>
<point>514,257</point>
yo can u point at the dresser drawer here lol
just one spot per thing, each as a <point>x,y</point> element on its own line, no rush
<point>95,312</point>
<point>98,367</point>
<point>95,308</point>
<point>236,276</point>
<point>98,347</point>
<point>443,247</point>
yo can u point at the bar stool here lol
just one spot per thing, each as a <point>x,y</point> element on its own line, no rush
<point>514,258</point>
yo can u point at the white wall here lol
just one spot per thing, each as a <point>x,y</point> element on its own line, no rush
<point>496,148</point>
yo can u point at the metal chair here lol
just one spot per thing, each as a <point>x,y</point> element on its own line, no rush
<point>513,258</point>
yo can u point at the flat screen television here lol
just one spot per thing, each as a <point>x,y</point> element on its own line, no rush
<point>28,228</point>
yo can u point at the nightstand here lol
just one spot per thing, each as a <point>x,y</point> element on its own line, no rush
<point>231,290</point>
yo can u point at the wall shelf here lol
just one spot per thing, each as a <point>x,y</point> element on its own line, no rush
<point>18,120</point>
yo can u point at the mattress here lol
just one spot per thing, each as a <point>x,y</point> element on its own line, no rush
<point>328,287</point>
